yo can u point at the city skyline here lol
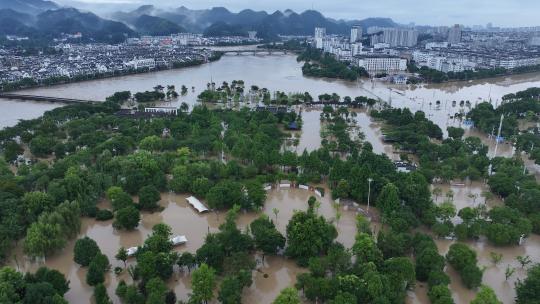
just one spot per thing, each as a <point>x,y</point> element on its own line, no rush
<point>444,12</point>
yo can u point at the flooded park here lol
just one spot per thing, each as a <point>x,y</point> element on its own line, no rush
<point>282,72</point>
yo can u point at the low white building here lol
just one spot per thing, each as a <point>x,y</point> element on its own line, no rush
<point>166,110</point>
<point>382,64</point>
<point>142,63</point>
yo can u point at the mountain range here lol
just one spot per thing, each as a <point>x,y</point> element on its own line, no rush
<point>28,6</point>
<point>47,19</point>
<point>219,21</point>
<point>51,24</point>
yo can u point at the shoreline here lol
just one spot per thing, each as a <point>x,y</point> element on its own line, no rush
<point>190,64</point>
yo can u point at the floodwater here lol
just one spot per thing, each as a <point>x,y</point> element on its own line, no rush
<point>494,275</point>
<point>282,72</point>
<point>466,194</point>
<point>281,272</point>
<point>15,110</point>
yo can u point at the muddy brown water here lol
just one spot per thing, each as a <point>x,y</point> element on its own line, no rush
<point>282,72</point>
<point>281,272</point>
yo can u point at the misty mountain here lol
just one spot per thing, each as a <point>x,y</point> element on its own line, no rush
<point>33,7</point>
<point>221,28</point>
<point>52,23</point>
<point>220,21</point>
<point>150,25</point>
<point>15,23</point>
<point>70,20</point>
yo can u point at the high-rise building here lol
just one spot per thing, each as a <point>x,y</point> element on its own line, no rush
<point>400,37</point>
<point>454,34</point>
<point>356,48</point>
<point>320,34</point>
<point>356,33</point>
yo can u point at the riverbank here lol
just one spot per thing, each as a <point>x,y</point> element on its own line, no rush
<point>29,83</point>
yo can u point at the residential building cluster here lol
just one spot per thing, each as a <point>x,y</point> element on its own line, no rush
<point>191,39</point>
<point>447,49</point>
<point>80,60</point>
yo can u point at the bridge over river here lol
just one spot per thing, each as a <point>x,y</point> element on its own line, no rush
<point>44,98</point>
<point>254,51</point>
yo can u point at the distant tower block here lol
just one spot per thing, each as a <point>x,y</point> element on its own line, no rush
<point>356,33</point>
<point>252,34</point>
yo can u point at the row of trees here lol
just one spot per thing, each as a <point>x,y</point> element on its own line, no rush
<point>320,64</point>
<point>432,75</point>
<point>44,286</point>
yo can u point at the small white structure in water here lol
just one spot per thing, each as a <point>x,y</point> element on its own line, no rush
<point>195,203</point>
<point>132,251</point>
<point>178,240</point>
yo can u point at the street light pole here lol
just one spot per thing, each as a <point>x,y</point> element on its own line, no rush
<point>369,192</point>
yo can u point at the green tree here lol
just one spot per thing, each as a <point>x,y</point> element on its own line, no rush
<point>201,186</point>
<point>528,290</point>
<point>85,250</point>
<point>149,196</point>
<point>455,133</point>
<point>463,259</point>
<point>119,198</point>
<point>288,296</point>
<point>308,235</point>
<point>203,281</point>
<point>151,143</point>
<point>230,291</point>
<point>12,285</point>
<point>388,200</point>
<point>342,189</point>
<point>156,291</point>
<point>267,238</point>
<point>100,295</point>
<point>122,255</point>
<point>97,269</point>
<point>256,195</point>
<point>366,250</point>
<point>486,295</point>
<point>127,218</point>
<point>36,203</point>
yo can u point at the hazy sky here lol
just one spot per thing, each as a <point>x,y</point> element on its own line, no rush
<point>435,12</point>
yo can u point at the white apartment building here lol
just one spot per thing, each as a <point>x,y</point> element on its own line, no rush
<point>400,37</point>
<point>382,64</point>
<point>142,63</point>
<point>454,34</point>
<point>356,49</point>
<point>320,34</point>
<point>436,45</point>
<point>356,33</point>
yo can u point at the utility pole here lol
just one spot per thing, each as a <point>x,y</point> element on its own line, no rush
<point>369,193</point>
<point>498,136</point>
<point>524,165</point>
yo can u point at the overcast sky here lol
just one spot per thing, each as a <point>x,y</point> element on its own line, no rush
<point>431,12</point>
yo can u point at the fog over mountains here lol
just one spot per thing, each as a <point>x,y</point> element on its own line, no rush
<point>47,19</point>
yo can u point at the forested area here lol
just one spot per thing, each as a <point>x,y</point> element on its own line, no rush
<point>522,106</point>
<point>88,153</point>
<point>320,64</point>
<point>435,76</point>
